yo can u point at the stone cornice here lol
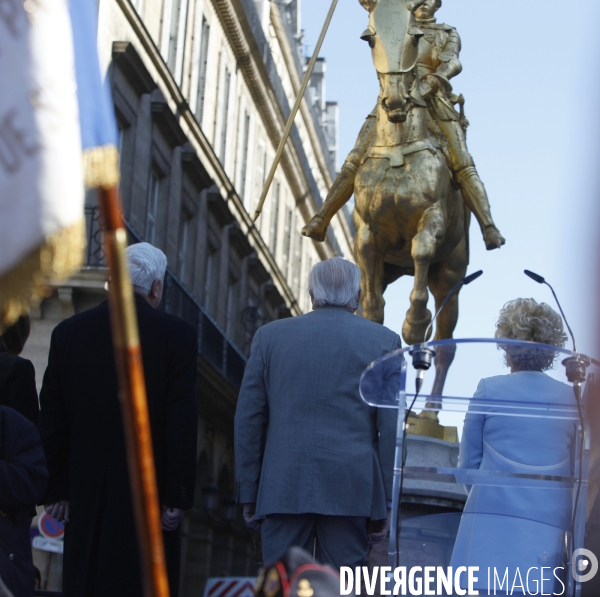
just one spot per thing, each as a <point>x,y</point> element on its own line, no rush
<point>128,60</point>
<point>199,140</point>
<point>240,37</point>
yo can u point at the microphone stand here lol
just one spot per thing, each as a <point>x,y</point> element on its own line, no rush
<point>422,358</point>
<point>576,367</point>
<point>422,355</point>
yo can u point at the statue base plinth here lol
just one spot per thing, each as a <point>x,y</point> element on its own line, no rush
<point>428,426</point>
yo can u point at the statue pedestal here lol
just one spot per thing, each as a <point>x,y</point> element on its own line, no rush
<point>426,426</point>
<point>420,498</point>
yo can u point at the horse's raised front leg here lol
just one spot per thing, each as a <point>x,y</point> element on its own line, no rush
<point>370,261</point>
<point>442,278</point>
<point>423,249</point>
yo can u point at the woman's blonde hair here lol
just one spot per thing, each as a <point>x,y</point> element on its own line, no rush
<point>526,319</point>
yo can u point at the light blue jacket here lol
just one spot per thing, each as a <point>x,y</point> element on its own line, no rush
<point>516,527</point>
<point>305,442</point>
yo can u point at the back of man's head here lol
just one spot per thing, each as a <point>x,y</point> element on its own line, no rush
<point>335,283</point>
<point>146,264</point>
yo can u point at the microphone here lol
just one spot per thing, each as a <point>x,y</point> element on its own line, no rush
<point>540,280</point>
<point>423,356</point>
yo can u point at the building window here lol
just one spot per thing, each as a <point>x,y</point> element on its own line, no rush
<point>211,277</point>
<point>202,66</point>
<point>275,219</point>
<point>244,166</point>
<point>260,170</point>
<point>217,104</point>
<point>231,309</point>
<point>297,265</point>
<point>225,110</point>
<point>287,241</point>
<point>174,34</point>
<point>184,242</point>
<point>121,141</point>
<point>154,190</point>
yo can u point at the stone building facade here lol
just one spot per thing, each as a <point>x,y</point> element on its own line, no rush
<point>202,90</point>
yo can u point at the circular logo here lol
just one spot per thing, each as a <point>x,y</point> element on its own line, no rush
<point>50,528</point>
<point>587,561</point>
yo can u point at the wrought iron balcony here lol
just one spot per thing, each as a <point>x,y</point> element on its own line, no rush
<point>213,343</point>
<point>94,252</point>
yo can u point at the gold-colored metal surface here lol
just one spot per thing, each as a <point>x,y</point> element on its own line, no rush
<point>295,107</point>
<point>414,181</point>
<point>430,427</point>
<point>409,158</point>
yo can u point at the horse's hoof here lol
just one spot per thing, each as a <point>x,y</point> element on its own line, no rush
<point>492,238</point>
<point>315,229</point>
<point>430,415</point>
<point>413,331</point>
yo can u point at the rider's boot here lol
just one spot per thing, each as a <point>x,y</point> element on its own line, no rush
<point>338,195</point>
<point>476,198</point>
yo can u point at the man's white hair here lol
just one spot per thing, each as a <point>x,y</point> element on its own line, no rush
<point>146,264</point>
<point>336,283</point>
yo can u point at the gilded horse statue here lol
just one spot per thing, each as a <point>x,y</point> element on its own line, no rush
<point>407,173</point>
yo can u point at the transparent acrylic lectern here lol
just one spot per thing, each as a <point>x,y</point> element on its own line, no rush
<point>512,494</point>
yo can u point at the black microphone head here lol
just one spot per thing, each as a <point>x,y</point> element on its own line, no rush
<point>536,277</point>
<point>472,277</point>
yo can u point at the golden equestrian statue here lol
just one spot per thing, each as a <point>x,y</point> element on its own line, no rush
<point>413,179</point>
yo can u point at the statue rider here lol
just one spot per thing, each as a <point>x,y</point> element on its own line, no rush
<point>437,63</point>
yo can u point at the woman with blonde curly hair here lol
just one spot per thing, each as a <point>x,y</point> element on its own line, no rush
<point>510,528</point>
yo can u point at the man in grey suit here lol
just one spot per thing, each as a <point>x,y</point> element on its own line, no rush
<point>313,461</point>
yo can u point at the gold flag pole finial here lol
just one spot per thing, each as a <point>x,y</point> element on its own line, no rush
<point>292,116</point>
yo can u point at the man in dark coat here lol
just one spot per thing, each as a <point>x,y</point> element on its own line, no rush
<point>23,477</point>
<point>17,375</point>
<point>83,437</point>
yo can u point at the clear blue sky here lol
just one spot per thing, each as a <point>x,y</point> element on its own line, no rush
<point>530,80</point>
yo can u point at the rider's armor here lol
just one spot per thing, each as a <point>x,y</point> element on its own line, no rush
<point>438,56</point>
<point>438,62</point>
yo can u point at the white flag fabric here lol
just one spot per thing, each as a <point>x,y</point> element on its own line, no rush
<point>41,181</point>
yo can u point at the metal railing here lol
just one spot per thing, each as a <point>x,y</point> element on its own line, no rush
<point>94,253</point>
<point>213,343</point>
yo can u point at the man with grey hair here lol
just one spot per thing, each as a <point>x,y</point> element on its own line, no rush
<point>147,266</point>
<point>313,461</point>
<point>82,434</point>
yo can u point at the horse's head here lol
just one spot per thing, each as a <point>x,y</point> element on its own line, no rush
<point>393,36</point>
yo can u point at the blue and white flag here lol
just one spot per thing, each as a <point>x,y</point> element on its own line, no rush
<point>52,106</point>
<point>96,112</point>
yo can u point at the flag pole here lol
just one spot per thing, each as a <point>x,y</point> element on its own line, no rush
<point>292,116</point>
<point>132,394</point>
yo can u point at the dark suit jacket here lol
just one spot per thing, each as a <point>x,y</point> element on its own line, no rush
<point>305,442</point>
<point>23,477</point>
<point>82,433</point>
<point>17,385</point>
